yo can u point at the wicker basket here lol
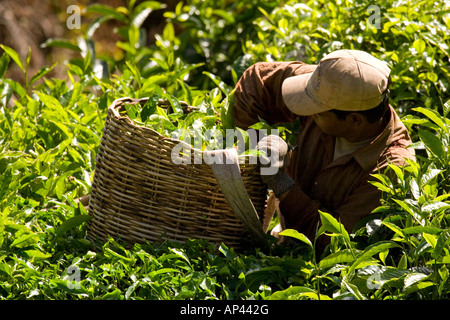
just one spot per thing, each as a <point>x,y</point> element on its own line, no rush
<point>139,195</point>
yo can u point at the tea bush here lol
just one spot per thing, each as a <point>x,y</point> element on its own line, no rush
<point>50,130</point>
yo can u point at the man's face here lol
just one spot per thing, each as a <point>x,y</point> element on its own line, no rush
<point>329,123</point>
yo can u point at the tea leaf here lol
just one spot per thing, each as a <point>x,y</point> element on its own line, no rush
<point>413,278</point>
<point>432,142</point>
<point>60,43</point>
<point>42,72</point>
<point>371,251</point>
<point>446,108</point>
<point>296,235</point>
<point>72,223</point>
<point>434,116</point>
<point>25,240</point>
<point>342,256</point>
<point>295,292</point>
<point>420,229</point>
<point>441,243</point>
<point>149,108</point>
<point>13,55</point>
<point>419,45</point>
<point>4,62</point>
<point>330,224</point>
<point>37,255</point>
<point>431,239</point>
<point>106,11</point>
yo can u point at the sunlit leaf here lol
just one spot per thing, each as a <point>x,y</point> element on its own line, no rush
<point>25,240</point>
<point>72,223</point>
<point>296,235</point>
<point>13,55</point>
<point>342,256</point>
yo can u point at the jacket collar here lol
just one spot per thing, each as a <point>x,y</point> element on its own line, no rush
<point>395,133</point>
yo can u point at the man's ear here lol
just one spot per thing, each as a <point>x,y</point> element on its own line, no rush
<point>356,118</point>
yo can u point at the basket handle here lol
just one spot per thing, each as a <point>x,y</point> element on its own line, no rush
<point>228,176</point>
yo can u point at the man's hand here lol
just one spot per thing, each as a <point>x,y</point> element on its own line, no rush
<point>273,164</point>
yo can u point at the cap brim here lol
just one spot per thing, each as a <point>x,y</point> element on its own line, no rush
<point>297,98</point>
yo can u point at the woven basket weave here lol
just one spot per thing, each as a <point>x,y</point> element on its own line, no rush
<point>139,195</point>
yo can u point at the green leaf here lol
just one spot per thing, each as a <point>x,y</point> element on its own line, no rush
<point>139,19</point>
<point>181,254</point>
<point>398,171</point>
<point>95,25</point>
<point>353,289</point>
<point>430,239</point>
<point>53,105</point>
<point>107,11</point>
<point>25,240</point>
<point>176,106</point>
<point>16,87</point>
<point>226,112</point>
<point>295,293</point>
<point>132,110</point>
<point>433,143</point>
<point>72,223</point>
<point>4,62</point>
<point>382,187</point>
<point>13,55</point>
<point>37,255</point>
<point>417,286</point>
<point>149,108</point>
<point>446,108</point>
<point>384,180</point>
<point>371,251</point>
<point>133,37</point>
<point>219,83</point>
<point>420,229</point>
<point>228,253</point>
<point>42,72</point>
<point>434,116</point>
<point>330,224</point>
<point>413,278</point>
<point>420,45</point>
<point>113,295</point>
<point>403,263</point>
<point>443,260</point>
<point>296,235</point>
<point>342,256</point>
<point>60,43</point>
<point>435,207</point>
<point>431,76</point>
<point>64,285</point>
<point>394,228</point>
<point>441,243</point>
<point>163,271</point>
<point>227,16</point>
<point>411,209</point>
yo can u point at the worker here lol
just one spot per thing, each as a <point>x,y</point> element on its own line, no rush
<point>348,131</point>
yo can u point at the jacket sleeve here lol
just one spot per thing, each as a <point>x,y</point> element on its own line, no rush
<point>258,93</point>
<point>300,212</point>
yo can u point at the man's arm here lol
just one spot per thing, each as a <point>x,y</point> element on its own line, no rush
<point>258,93</point>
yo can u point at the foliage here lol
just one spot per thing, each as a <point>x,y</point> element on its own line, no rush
<point>411,37</point>
<point>50,130</point>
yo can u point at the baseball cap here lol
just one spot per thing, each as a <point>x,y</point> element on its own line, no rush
<point>347,80</point>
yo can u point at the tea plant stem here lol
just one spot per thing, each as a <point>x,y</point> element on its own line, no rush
<point>316,265</point>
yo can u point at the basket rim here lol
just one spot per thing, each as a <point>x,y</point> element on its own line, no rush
<point>118,103</point>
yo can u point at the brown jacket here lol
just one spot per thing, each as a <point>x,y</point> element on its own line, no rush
<point>338,187</point>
